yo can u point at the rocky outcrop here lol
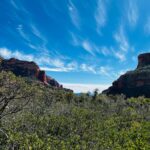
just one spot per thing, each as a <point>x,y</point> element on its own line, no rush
<point>18,67</point>
<point>27,69</point>
<point>134,83</point>
<point>42,76</point>
<point>53,82</point>
<point>143,60</point>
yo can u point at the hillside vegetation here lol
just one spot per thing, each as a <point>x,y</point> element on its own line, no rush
<point>38,117</point>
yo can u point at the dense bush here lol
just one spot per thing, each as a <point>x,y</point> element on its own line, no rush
<point>53,119</point>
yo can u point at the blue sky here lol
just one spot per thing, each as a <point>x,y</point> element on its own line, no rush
<point>84,44</point>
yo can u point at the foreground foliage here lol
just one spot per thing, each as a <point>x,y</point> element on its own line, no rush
<point>53,119</point>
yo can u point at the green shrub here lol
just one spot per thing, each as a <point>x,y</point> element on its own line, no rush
<point>53,119</point>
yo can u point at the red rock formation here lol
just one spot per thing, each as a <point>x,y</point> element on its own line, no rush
<point>22,68</point>
<point>53,82</point>
<point>27,69</point>
<point>42,76</point>
<point>134,83</point>
<point>143,60</point>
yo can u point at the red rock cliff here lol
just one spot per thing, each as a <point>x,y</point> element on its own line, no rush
<point>134,83</point>
<point>27,69</point>
<point>143,60</point>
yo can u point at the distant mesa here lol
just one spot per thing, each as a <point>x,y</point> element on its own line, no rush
<point>134,83</point>
<point>27,69</point>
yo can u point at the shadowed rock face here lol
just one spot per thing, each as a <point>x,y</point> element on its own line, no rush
<point>143,60</point>
<point>27,69</point>
<point>134,83</point>
<point>22,68</point>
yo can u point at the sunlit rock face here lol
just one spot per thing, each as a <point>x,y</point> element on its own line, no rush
<point>134,83</point>
<point>27,69</point>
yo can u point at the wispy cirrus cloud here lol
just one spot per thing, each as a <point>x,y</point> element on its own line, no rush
<point>120,55</point>
<point>50,69</point>
<point>43,44</point>
<point>104,70</point>
<point>121,39</point>
<point>88,46</point>
<point>27,28</point>
<point>55,64</point>
<point>85,44</point>
<point>37,33</point>
<point>18,5</point>
<point>6,53</point>
<point>101,14</point>
<point>74,14</point>
<point>105,50</point>
<point>98,70</point>
<point>132,12</point>
<point>88,68</point>
<point>46,62</point>
<point>75,41</point>
<point>123,45</point>
<point>22,33</point>
<point>28,36</point>
<point>62,68</point>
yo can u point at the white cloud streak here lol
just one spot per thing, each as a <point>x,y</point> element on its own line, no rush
<point>22,33</point>
<point>6,53</point>
<point>88,46</point>
<point>121,40</point>
<point>61,67</point>
<point>27,29</point>
<point>52,64</point>
<point>120,55</point>
<point>64,69</point>
<point>105,51</point>
<point>105,70</point>
<point>18,6</point>
<point>40,46</point>
<point>132,12</point>
<point>88,68</point>
<point>84,43</point>
<point>38,34</point>
<point>123,45</point>
<point>101,14</point>
<point>74,14</point>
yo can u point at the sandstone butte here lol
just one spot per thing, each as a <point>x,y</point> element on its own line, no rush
<point>27,69</point>
<point>133,83</point>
